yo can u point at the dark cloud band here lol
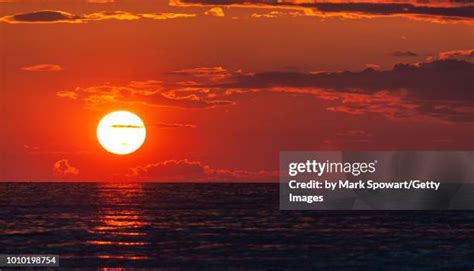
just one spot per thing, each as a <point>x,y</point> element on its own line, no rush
<point>445,10</point>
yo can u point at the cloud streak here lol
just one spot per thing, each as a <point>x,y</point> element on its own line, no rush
<point>120,126</point>
<point>57,16</point>
<point>101,1</point>
<point>95,97</point>
<point>423,80</point>
<point>462,55</point>
<point>166,16</point>
<point>43,68</point>
<point>440,89</point>
<point>175,125</point>
<point>187,170</point>
<point>442,11</point>
<point>404,54</point>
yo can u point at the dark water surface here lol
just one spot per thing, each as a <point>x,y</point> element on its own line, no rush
<point>195,226</point>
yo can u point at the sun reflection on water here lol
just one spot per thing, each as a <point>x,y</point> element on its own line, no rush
<point>120,222</point>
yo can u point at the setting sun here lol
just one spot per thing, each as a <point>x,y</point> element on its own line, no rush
<point>194,134</point>
<point>121,132</point>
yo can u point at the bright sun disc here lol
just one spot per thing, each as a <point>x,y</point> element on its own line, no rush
<point>121,132</point>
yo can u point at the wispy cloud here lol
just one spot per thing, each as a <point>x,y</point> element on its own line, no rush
<point>216,12</point>
<point>166,16</point>
<point>439,90</point>
<point>43,68</point>
<point>462,55</point>
<point>57,16</point>
<point>101,1</point>
<point>434,11</point>
<point>111,15</point>
<point>67,94</point>
<point>63,168</point>
<point>43,16</point>
<point>186,170</point>
<point>174,125</point>
<point>216,73</point>
<point>404,54</point>
<point>279,13</point>
<point>95,97</point>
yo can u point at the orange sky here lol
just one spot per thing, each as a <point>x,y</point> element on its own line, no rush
<point>224,88</point>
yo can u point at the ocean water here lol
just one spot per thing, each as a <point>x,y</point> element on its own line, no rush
<point>217,226</point>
